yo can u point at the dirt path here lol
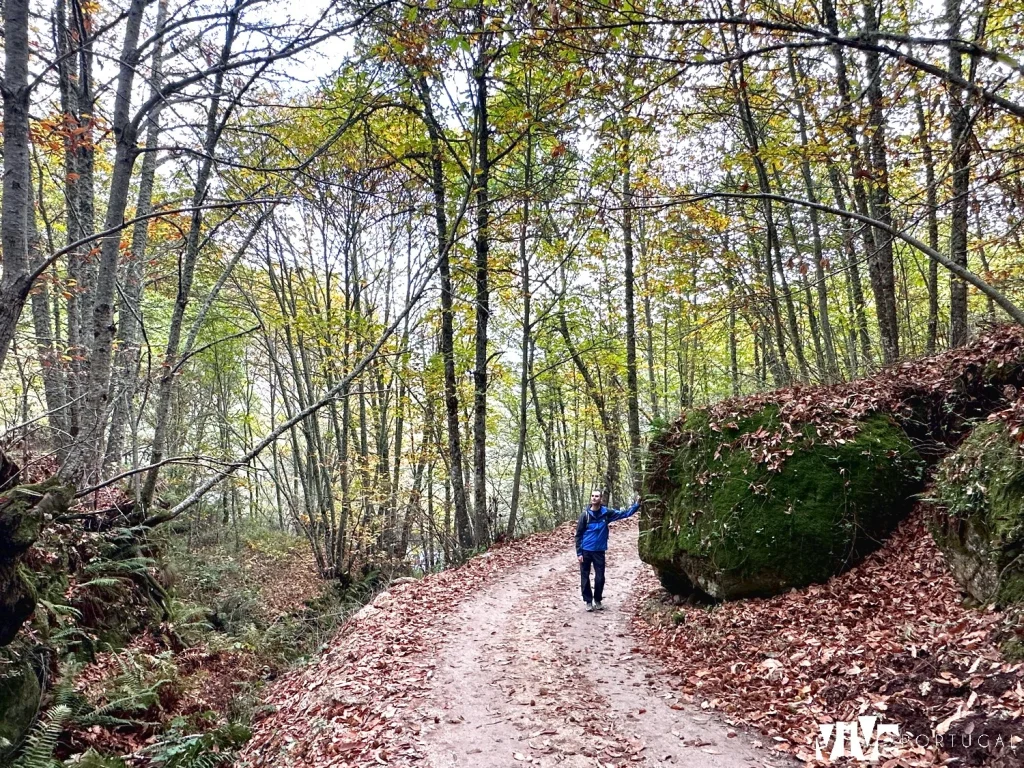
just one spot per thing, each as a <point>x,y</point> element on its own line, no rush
<point>529,677</point>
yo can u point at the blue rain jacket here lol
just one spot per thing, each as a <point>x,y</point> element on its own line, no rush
<point>592,527</point>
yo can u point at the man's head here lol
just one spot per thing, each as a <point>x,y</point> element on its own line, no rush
<point>595,499</point>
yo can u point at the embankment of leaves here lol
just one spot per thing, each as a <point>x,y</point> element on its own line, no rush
<point>889,637</point>
<point>932,398</point>
<point>348,705</point>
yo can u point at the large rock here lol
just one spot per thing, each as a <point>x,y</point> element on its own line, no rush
<point>979,521</point>
<point>22,511</point>
<point>755,506</point>
<point>20,693</point>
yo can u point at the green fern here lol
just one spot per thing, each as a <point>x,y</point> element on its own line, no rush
<point>55,622</point>
<point>93,759</point>
<point>42,739</point>
<point>102,582</point>
<point>134,691</point>
<point>200,750</point>
<point>127,567</point>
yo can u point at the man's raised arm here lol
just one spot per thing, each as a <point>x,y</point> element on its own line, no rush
<point>618,514</point>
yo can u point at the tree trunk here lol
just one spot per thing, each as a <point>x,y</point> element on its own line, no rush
<point>932,205</point>
<point>652,382</point>
<point>526,348</point>
<point>880,265</point>
<point>860,195</point>
<point>129,312</point>
<point>46,345</point>
<point>447,342</point>
<point>17,180</point>
<point>632,383</point>
<point>482,239</point>
<point>89,451</point>
<point>187,269</point>
<point>828,340</point>
<point>611,437</point>
<point>960,150</point>
<point>78,99</point>
<point>854,284</point>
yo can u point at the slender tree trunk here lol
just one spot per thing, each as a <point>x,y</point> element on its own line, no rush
<point>548,430</point>
<point>860,195</point>
<point>130,312</point>
<point>798,248</point>
<point>611,435</point>
<point>632,382</point>
<point>187,269</point>
<point>90,450</point>
<point>880,265</point>
<point>828,340</point>
<point>780,370</point>
<point>481,529</point>
<point>932,205</point>
<point>960,150</point>
<point>855,286</point>
<point>46,344</point>
<point>80,117</point>
<point>652,381</point>
<point>526,347</point>
<point>17,177</point>
<point>734,365</point>
<point>447,343</point>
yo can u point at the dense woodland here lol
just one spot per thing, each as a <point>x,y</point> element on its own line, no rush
<point>404,279</point>
<point>292,269</point>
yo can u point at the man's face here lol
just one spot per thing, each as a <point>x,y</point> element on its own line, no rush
<point>595,498</point>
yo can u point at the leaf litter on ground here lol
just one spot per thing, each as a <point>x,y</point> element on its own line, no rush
<point>890,637</point>
<point>355,705</point>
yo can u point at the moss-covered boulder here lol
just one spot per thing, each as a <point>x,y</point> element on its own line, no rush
<point>979,521</point>
<point>757,505</point>
<point>22,511</point>
<point>20,693</point>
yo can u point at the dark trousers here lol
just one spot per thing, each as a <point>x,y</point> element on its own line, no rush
<point>597,560</point>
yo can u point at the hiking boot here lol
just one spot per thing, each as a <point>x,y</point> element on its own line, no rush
<point>590,607</point>
<point>598,606</point>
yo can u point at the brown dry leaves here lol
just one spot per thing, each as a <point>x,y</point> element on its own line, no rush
<point>942,390</point>
<point>354,706</point>
<point>889,637</point>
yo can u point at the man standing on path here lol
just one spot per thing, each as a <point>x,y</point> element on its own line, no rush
<point>591,543</point>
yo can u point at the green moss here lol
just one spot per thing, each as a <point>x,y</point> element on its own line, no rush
<point>1011,589</point>
<point>20,693</point>
<point>737,527</point>
<point>980,521</point>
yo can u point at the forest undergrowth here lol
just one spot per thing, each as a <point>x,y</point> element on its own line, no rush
<point>179,683</point>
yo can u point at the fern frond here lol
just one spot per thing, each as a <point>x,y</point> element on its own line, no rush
<point>42,740</point>
<point>101,582</point>
<point>127,566</point>
<point>60,609</point>
<point>93,759</point>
